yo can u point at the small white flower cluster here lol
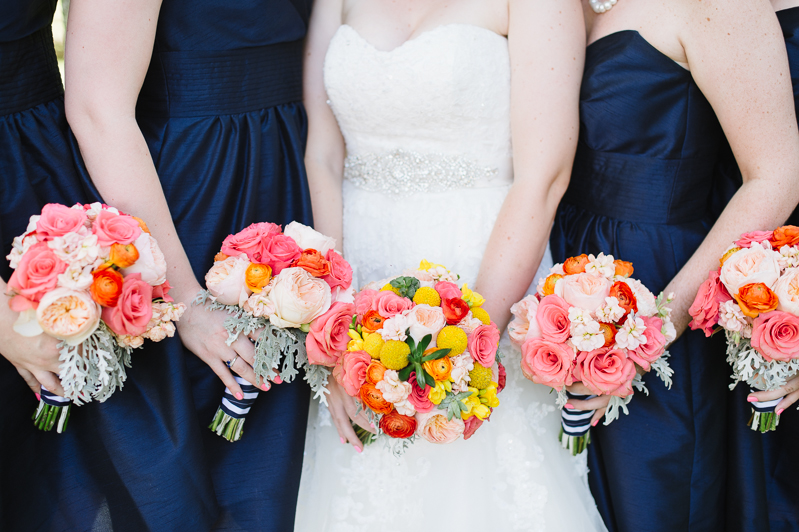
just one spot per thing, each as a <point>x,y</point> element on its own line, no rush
<point>789,257</point>
<point>631,334</point>
<point>610,312</point>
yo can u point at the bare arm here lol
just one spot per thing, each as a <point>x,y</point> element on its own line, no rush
<point>547,50</point>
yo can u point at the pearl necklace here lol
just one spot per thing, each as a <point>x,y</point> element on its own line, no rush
<point>600,7</point>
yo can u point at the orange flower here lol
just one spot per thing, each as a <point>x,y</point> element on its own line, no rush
<point>372,321</point>
<point>123,255</point>
<point>395,425</point>
<point>728,254</point>
<point>375,371</point>
<point>439,369</point>
<point>549,283</point>
<point>787,235</point>
<point>106,287</point>
<point>372,398</point>
<point>141,224</point>
<point>622,291</point>
<point>257,276</point>
<point>312,262</point>
<point>623,268</point>
<point>219,257</point>
<point>576,264</point>
<point>755,298</point>
<point>610,333</point>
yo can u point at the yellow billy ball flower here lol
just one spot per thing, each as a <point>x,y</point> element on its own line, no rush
<point>454,338</point>
<point>427,296</point>
<point>481,315</point>
<point>373,344</point>
<point>390,289</point>
<point>394,354</point>
<point>480,377</point>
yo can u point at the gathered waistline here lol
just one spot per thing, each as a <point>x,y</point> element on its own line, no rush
<point>29,73</point>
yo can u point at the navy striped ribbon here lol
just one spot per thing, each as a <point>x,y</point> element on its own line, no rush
<point>576,422</point>
<point>765,406</point>
<point>52,399</point>
<point>235,408</point>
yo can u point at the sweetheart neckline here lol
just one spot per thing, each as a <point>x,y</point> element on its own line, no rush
<point>420,35</point>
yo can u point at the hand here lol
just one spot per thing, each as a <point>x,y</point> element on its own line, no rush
<point>789,393</point>
<point>599,404</point>
<point>343,408</point>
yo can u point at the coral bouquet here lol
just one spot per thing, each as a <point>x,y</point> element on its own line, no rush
<point>591,322</point>
<point>754,298</point>
<point>418,352</point>
<point>95,279</point>
<point>281,283</point>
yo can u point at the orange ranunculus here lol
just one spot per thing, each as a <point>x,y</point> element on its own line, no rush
<point>787,235</point>
<point>372,321</point>
<point>623,268</point>
<point>106,287</point>
<point>610,333</point>
<point>219,257</point>
<point>395,425</point>
<point>123,255</point>
<point>755,298</point>
<point>312,262</point>
<point>373,398</point>
<point>375,371</point>
<point>727,255</point>
<point>576,264</point>
<point>549,283</point>
<point>257,276</point>
<point>141,224</point>
<point>622,291</point>
<point>439,369</point>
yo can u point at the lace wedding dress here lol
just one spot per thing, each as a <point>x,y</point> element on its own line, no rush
<point>427,129</point>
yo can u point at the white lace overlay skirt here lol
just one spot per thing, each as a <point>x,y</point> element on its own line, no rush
<point>512,474</point>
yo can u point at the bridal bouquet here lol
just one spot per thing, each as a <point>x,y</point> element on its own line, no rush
<point>591,322</point>
<point>754,298</point>
<point>421,357</point>
<point>95,279</point>
<point>279,282</point>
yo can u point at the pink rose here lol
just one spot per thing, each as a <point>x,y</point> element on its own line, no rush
<point>134,308</point>
<point>435,427</point>
<point>655,344</point>
<point>113,228</point>
<point>281,251</point>
<point>418,397</point>
<point>350,371</point>
<point>298,298</point>
<point>553,319</point>
<point>755,264</point>
<point>483,344</point>
<point>524,324</point>
<point>226,280</point>
<point>425,320</point>
<point>162,292</point>
<point>583,290</point>
<point>448,290</point>
<point>775,335</point>
<point>471,424</point>
<point>605,371</point>
<point>328,338</point>
<point>388,304</point>
<point>364,302</point>
<point>58,220</point>
<point>502,377</point>
<point>747,239</point>
<point>547,363</point>
<point>36,274</point>
<point>705,308</point>
<point>68,315</point>
<point>252,240</point>
<point>340,271</point>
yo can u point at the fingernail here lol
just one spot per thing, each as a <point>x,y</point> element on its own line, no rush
<point>38,397</point>
<point>239,396</point>
<point>568,406</point>
<point>780,411</point>
<point>372,425</point>
<point>594,422</point>
<point>751,399</point>
<point>343,440</point>
<point>264,387</point>
<point>358,450</point>
<point>278,380</point>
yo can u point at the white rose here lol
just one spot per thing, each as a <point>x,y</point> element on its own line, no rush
<point>298,297</point>
<point>647,303</point>
<point>151,263</point>
<point>757,264</point>
<point>307,238</point>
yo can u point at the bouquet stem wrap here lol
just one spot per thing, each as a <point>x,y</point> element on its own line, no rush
<point>230,416</point>
<point>575,433</point>
<point>764,418</point>
<point>53,411</point>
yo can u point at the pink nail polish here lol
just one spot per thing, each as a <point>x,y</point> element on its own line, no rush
<point>343,440</point>
<point>751,399</point>
<point>593,423</point>
<point>780,411</point>
<point>372,425</point>
<point>239,396</point>
<point>358,450</point>
<point>38,397</point>
<point>278,380</point>
<point>568,406</point>
<point>264,387</point>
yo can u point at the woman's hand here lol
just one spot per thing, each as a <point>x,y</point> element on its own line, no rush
<point>343,409</point>
<point>599,404</point>
<point>789,393</point>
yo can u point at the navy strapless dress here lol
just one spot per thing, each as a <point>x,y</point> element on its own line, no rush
<point>640,190</point>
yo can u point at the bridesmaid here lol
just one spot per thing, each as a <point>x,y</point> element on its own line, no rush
<point>656,77</point>
<point>188,113</point>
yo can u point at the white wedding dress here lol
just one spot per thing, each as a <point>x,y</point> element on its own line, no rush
<point>427,130</point>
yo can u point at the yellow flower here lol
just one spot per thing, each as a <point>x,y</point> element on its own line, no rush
<point>474,406</point>
<point>471,297</point>
<point>437,394</point>
<point>425,265</point>
<point>489,396</point>
<point>356,344</point>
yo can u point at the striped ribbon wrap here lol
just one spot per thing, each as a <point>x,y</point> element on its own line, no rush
<point>53,411</point>
<point>575,425</point>
<point>231,414</point>
<point>764,418</point>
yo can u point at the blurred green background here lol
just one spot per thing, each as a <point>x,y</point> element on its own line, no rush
<point>60,32</point>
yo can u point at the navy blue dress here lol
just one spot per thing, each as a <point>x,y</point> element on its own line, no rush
<point>640,190</point>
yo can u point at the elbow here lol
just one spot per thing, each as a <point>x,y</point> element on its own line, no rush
<point>89,118</point>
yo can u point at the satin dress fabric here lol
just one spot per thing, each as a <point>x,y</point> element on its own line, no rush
<point>640,190</point>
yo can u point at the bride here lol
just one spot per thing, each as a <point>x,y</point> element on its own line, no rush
<point>412,107</point>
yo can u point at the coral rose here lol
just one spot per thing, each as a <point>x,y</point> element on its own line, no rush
<point>119,228</point>
<point>372,321</point>
<point>483,344</point>
<point>257,276</point>
<point>787,290</point>
<point>123,255</point>
<point>375,372</point>
<point>298,297</point>
<point>705,308</point>
<point>350,371</point>
<point>340,271</point>
<point>225,280</point>
<point>447,290</point>
<point>455,309</point>
<point>313,262</point>
<point>435,427</point>
<point>327,338</point>
<point>524,324</point>
<point>162,292</point>
<point>583,290</point>
<point>439,369</point>
<point>425,320</point>
<point>547,363</point>
<point>58,220</point>
<point>623,268</point>
<point>775,335</point>
<point>151,263</point>
<point>747,239</point>
<point>133,310</point>
<point>471,424</point>
<point>655,344</point>
<point>548,287</point>
<point>605,371</point>
<point>280,252</point>
<point>364,301</point>
<point>106,287</point>
<point>574,265</point>
<point>553,319</point>
<point>36,274</point>
<point>787,235</point>
<point>755,264</point>
<point>755,299</point>
<point>68,315</point>
<point>624,294</point>
<point>252,240</point>
<point>419,396</point>
<point>395,425</point>
<point>373,398</point>
<point>308,238</point>
<point>389,304</point>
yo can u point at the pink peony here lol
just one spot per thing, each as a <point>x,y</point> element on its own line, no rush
<point>328,337</point>
<point>252,240</point>
<point>435,427</point>
<point>281,251</point>
<point>605,371</point>
<point>775,335</point>
<point>553,319</point>
<point>340,271</point>
<point>418,397</point>
<point>226,280</point>
<point>547,363</point>
<point>448,290</point>
<point>69,315</point>
<point>298,297</point>
<point>583,290</point>
<point>58,220</point>
<point>705,308</point>
<point>134,308</point>
<point>113,228</point>
<point>364,302</point>
<point>388,304</point>
<point>483,344</point>
<point>471,424</point>
<point>524,324</point>
<point>655,344</point>
<point>36,274</point>
<point>747,239</point>
<point>350,371</point>
<point>425,320</point>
